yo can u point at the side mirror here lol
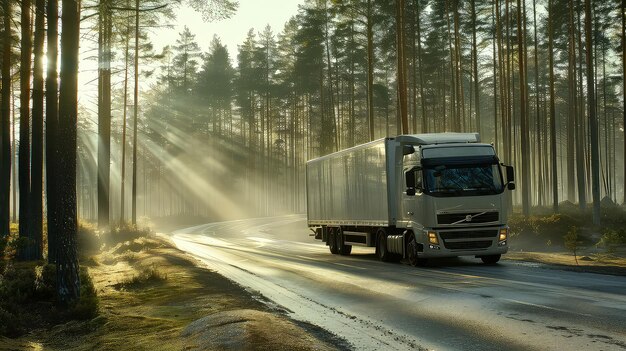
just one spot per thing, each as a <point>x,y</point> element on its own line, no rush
<point>410,191</point>
<point>510,174</point>
<point>408,150</point>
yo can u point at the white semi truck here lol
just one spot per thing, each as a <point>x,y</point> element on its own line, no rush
<point>412,196</point>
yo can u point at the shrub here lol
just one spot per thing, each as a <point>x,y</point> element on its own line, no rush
<point>126,232</point>
<point>88,238</point>
<point>541,231</point>
<point>611,239</point>
<point>572,241</point>
<point>87,306</point>
<point>45,281</point>
<point>146,276</point>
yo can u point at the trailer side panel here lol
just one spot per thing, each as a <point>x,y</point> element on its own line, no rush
<point>349,187</point>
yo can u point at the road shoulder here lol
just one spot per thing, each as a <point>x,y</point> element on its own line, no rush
<point>153,296</point>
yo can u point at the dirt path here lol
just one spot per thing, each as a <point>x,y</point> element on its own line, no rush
<point>153,297</point>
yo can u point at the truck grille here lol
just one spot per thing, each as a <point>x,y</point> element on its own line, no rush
<point>469,234</point>
<point>450,218</point>
<point>468,245</point>
<point>453,240</point>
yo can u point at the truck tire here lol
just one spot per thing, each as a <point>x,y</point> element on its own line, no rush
<point>411,251</point>
<point>381,246</point>
<point>491,259</point>
<point>342,248</point>
<point>332,241</point>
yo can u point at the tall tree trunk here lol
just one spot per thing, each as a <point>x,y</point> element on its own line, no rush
<point>136,115</point>
<point>475,68</point>
<point>68,281</point>
<point>370,69</point>
<point>555,179</point>
<point>5,123</point>
<point>333,114</point>
<point>538,129</point>
<point>593,121</point>
<point>525,186</point>
<point>104,111</point>
<point>623,16</point>
<point>454,123</point>
<point>571,120</point>
<point>402,104</point>
<point>24,157</point>
<point>36,190</point>
<point>581,139</point>
<point>495,78</point>
<point>458,68</point>
<point>52,125</point>
<point>124,115</point>
<point>421,68</point>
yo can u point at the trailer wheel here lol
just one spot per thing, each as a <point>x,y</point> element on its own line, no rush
<point>411,249</point>
<point>342,248</point>
<point>491,259</point>
<point>381,246</point>
<point>332,241</point>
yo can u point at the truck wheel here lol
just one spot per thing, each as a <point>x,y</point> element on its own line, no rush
<point>342,248</point>
<point>332,241</point>
<point>491,259</point>
<point>411,249</point>
<point>381,246</point>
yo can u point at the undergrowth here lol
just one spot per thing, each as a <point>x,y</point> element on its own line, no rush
<point>28,298</point>
<point>544,230</point>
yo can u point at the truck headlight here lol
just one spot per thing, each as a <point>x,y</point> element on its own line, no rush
<point>503,234</point>
<point>432,238</point>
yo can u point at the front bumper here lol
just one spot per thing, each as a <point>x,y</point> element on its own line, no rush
<point>474,241</point>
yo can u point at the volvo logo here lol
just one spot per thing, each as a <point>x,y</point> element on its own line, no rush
<point>468,218</point>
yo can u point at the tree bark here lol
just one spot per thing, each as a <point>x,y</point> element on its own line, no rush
<point>525,186</point>
<point>68,281</point>
<point>475,68</point>
<point>593,121</point>
<point>124,115</point>
<point>136,115</point>
<point>370,69</point>
<point>52,125</point>
<point>623,16</point>
<point>36,191</point>
<point>402,104</point>
<point>5,124</point>
<point>553,155</point>
<point>24,156</point>
<point>104,111</point>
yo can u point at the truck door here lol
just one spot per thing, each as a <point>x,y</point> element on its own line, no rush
<point>412,183</point>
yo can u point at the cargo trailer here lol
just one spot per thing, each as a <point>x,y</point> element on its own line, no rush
<point>412,197</point>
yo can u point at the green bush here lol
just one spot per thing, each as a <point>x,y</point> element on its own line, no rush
<point>17,286</point>
<point>87,306</point>
<point>126,232</point>
<point>611,239</point>
<point>45,282</point>
<point>27,296</point>
<point>534,232</point>
<point>572,241</point>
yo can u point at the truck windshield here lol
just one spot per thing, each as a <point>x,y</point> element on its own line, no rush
<point>463,179</point>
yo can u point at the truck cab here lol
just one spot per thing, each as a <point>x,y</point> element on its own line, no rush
<point>453,196</point>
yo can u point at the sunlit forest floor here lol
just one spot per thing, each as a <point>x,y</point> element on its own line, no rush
<point>153,297</point>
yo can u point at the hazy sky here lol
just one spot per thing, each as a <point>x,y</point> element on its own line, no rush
<point>251,14</point>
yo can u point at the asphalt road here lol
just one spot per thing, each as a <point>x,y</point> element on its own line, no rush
<point>456,304</point>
